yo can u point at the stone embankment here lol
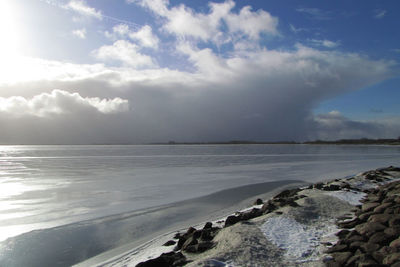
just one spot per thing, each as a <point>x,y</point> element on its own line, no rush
<point>372,238</point>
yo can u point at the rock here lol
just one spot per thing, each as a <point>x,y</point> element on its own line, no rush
<point>189,242</point>
<point>169,243</point>
<point>392,232</point>
<point>369,206</point>
<point>208,225</point>
<point>380,218</point>
<point>356,245</point>
<point>332,187</point>
<point>203,246</point>
<point>395,243</point>
<point>250,214</point>
<point>381,208</point>
<point>208,234</point>
<point>354,238</point>
<point>392,258</point>
<point>337,248</point>
<point>259,201</point>
<point>369,228</point>
<point>370,247</point>
<point>379,238</point>
<point>268,207</point>
<point>395,221</point>
<point>349,224</point>
<point>341,257</point>
<point>363,217</point>
<point>165,260</point>
<point>318,185</point>
<point>288,193</point>
<point>231,220</point>
<point>342,233</point>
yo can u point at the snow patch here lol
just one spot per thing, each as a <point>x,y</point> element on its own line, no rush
<point>296,239</point>
<point>352,197</point>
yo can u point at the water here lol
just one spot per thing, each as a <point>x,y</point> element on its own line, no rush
<point>67,190</point>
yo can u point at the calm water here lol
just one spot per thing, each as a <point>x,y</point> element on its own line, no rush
<point>48,186</point>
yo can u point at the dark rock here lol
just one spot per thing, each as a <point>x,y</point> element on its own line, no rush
<point>342,233</point>
<point>165,260</point>
<point>190,230</point>
<point>259,201</point>
<point>250,214</point>
<point>268,207</point>
<point>392,232</point>
<point>381,208</point>
<point>332,187</point>
<point>354,238</point>
<point>341,257</point>
<point>369,206</point>
<point>356,245</point>
<point>169,243</point>
<point>177,236</point>
<point>395,243</point>
<point>363,217</point>
<point>349,224</point>
<point>380,218</point>
<point>288,193</point>
<point>203,246</point>
<point>395,221</point>
<point>379,238</point>
<point>189,242</point>
<point>318,185</point>
<point>337,248</point>
<point>231,220</point>
<point>208,225</point>
<point>209,234</point>
<point>369,248</point>
<point>369,228</point>
<point>392,258</point>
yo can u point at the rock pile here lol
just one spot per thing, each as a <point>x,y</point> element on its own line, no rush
<point>372,238</point>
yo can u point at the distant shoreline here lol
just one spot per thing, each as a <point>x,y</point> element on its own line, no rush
<point>361,141</point>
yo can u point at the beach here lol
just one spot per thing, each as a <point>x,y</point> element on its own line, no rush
<point>302,226</point>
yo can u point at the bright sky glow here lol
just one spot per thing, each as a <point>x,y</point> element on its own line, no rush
<point>198,71</point>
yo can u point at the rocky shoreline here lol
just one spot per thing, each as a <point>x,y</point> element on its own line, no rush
<point>369,237</point>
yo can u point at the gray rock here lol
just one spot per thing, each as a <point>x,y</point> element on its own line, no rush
<point>392,258</point>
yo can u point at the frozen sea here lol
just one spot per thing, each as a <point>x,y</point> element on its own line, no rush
<point>60,205</point>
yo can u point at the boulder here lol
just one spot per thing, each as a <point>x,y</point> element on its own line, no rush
<point>165,260</point>
<point>208,225</point>
<point>259,201</point>
<point>169,243</point>
<point>231,220</point>
<point>341,257</point>
<point>369,206</point>
<point>369,228</point>
<point>392,258</point>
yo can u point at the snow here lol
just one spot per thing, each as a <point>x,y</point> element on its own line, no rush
<point>352,197</point>
<point>298,240</point>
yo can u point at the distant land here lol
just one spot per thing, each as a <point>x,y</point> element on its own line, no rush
<point>361,141</point>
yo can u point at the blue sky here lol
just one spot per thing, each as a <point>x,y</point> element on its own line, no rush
<point>137,71</point>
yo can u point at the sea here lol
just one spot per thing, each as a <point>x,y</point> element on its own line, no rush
<point>61,205</point>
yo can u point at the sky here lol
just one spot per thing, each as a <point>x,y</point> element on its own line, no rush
<point>145,71</point>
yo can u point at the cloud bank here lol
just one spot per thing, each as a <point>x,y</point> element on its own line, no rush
<point>245,92</point>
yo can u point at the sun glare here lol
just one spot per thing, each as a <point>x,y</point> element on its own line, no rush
<point>10,47</point>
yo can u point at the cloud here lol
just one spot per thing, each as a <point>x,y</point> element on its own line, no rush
<point>59,102</point>
<point>144,35</point>
<point>125,52</point>
<point>296,30</point>
<point>186,23</point>
<point>379,13</point>
<point>334,126</point>
<point>82,8</point>
<point>325,43</point>
<point>80,33</point>
<point>315,13</point>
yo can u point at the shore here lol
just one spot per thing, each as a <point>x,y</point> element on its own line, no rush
<point>298,227</point>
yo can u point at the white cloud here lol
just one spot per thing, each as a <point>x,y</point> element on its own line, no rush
<point>125,52</point>
<point>315,13</point>
<point>82,8</point>
<point>144,35</point>
<point>80,33</point>
<point>185,22</point>
<point>59,102</point>
<point>325,43</point>
<point>379,13</point>
<point>296,30</point>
